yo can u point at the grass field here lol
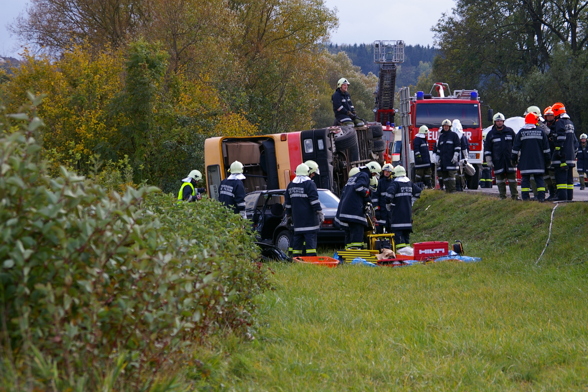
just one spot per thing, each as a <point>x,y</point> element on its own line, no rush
<point>508,323</point>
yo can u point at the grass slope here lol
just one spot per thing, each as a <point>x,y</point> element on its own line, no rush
<point>507,323</point>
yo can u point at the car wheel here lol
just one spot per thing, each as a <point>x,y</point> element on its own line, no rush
<point>283,240</point>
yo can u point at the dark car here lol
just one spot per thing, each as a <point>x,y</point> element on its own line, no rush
<point>266,210</point>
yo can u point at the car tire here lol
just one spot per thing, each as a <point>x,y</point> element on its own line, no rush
<point>283,240</point>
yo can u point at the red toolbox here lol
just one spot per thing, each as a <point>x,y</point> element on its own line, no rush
<point>430,249</point>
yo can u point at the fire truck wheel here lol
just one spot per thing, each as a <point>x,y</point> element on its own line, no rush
<point>379,145</point>
<point>377,130</point>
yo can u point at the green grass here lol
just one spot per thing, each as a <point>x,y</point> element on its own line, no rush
<point>508,323</point>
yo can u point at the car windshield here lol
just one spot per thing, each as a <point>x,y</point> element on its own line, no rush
<point>432,114</point>
<point>328,199</point>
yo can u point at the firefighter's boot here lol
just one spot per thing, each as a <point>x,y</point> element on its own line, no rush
<point>541,196</point>
<point>525,195</point>
<point>552,193</point>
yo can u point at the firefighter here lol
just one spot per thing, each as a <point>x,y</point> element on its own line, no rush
<point>582,156</point>
<point>303,207</point>
<point>551,137</point>
<point>564,156</point>
<point>384,182</point>
<point>532,144</point>
<point>460,182</point>
<point>447,152</point>
<point>400,196</point>
<point>422,159</point>
<point>355,197</point>
<point>232,190</point>
<point>540,125</point>
<point>314,172</point>
<point>188,191</point>
<point>343,107</point>
<point>498,151</point>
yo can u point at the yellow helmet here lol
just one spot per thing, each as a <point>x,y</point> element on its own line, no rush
<point>399,171</point>
<point>374,167</point>
<point>423,129</point>
<point>195,175</point>
<point>302,170</point>
<point>313,166</point>
<point>353,171</point>
<point>341,82</point>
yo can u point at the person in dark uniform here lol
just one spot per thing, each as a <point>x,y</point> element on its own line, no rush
<point>232,190</point>
<point>551,137</point>
<point>582,156</point>
<point>564,156</point>
<point>343,107</point>
<point>422,159</point>
<point>384,182</point>
<point>447,153</point>
<point>400,196</point>
<point>531,142</point>
<point>304,208</point>
<point>497,152</point>
<point>314,172</point>
<point>189,191</point>
<point>355,196</point>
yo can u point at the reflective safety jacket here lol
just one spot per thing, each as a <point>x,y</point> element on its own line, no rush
<point>302,204</point>
<point>566,142</point>
<point>342,105</point>
<point>498,146</point>
<point>582,156</point>
<point>447,145</point>
<point>354,197</point>
<point>400,195</point>
<point>232,194</point>
<point>533,146</point>
<point>422,159</point>
<point>186,190</point>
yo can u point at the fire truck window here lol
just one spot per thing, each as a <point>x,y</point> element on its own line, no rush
<point>308,147</point>
<point>433,114</point>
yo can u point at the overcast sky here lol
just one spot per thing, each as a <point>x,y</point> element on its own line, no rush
<point>360,21</point>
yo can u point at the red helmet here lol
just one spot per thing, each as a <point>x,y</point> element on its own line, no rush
<point>531,118</point>
<point>548,111</point>
<point>558,108</point>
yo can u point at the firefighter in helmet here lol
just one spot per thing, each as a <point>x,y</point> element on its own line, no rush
<point>400,196</point>
<point>497,152</point>
<point>422,159</point>
<point>355,197</point>
<point>549,176</point>
<point>384,182</point>
<point>582,157</point>
<point>343,107</point>
<point>188,190</point>
<point>314,172</point>
<point>304,208</point>
<point>532,145</point>
<point>564,156</point>
<point>232,190</point>
<point>447,154</point>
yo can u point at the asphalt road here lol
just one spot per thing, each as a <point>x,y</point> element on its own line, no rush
<point>579,195</point>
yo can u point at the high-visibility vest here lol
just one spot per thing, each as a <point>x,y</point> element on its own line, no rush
<point>181,193</point>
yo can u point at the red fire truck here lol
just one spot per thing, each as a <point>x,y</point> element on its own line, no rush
<point>431,109</point>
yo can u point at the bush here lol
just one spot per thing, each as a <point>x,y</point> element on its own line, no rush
<point>100,290</point>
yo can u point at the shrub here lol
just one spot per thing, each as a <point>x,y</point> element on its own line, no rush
<point>100,290</point>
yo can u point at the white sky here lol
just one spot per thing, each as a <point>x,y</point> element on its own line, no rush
<point>366,21</point>
<point>360,21</point>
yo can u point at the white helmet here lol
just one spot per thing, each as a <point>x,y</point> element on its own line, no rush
<point>446,122</point>
<point>236,167</point>
<point>341,82</point>
<point>353,171</point>
<point>399,171</point>
<point>302,170</point>
<point>388,167</point>
<point>423,129</point>
<point>498,117</point>
<point>195,175</point>
<point>374,167</point>
<point>313,166</point>
<point>583,136</point>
